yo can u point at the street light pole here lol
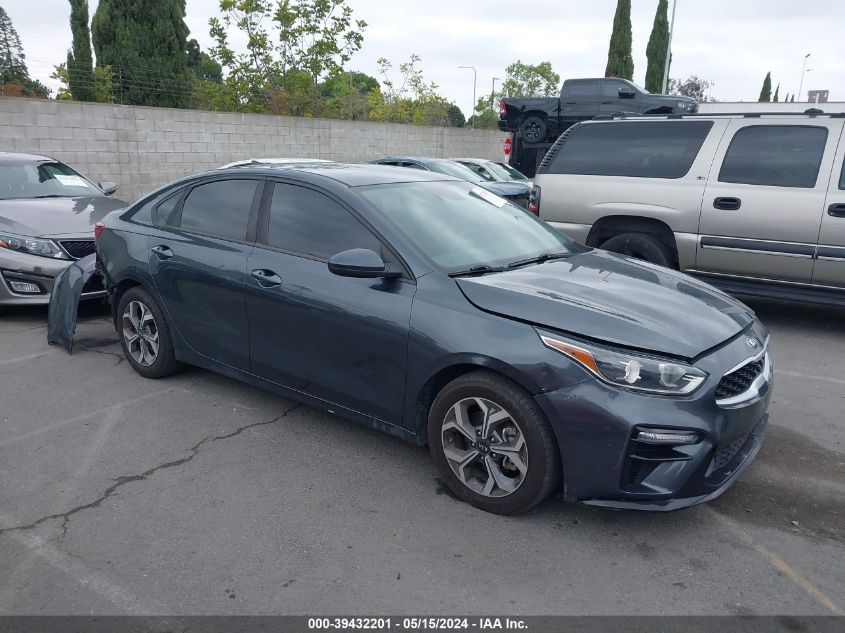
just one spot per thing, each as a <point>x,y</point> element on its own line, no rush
<point>669,48</point>
<point>493,95</point>
<point>803,71</point>
<point>474,81</point>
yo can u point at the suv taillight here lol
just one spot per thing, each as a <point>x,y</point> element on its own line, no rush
<point>98,229</point>
<point>503,110</point>
<point>534,201</point>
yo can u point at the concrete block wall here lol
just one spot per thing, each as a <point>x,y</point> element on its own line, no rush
<point>143,148</point>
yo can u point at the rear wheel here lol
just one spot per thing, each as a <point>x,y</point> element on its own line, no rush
<point>640,246</point>
<point>492,444</point>
<point>534,129</point>
<point>145,335</point>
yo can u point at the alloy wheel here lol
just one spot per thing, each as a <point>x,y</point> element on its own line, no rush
<point>140,333</point>
<point>485,447</point>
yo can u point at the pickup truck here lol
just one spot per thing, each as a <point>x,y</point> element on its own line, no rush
<point>582,99</point>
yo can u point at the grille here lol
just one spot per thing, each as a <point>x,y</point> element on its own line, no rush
<point>78,249</point>
<point>520,200</point>
<point>739,381</point>
<point>724,455</point>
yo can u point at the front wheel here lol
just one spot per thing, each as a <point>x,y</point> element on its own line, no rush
<point>492,444</point>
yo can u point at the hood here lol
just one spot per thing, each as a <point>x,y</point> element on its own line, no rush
<point>49,217</point>
<point>616,299</point>
<point>506,189</point>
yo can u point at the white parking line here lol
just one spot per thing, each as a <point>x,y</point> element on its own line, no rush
<point>778,563</point>
<point>85,416</point>
<point>9,361</point>
<point>76,569</point>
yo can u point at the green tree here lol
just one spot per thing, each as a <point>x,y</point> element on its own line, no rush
<point>201,64</point>
<point>527,80</point>
<point>286,40</point>
<point>410,98</point>
<point>456,117</point>
<point>657,48</point>
<point>102,89</point>
<point>345,95</point>
<point>145,43</point>
<point>14,75</point>
<point>620,62</point>
<point>692,86</point>
<point>80,64</point>
<point>777,94</point>
<point>766,91</point>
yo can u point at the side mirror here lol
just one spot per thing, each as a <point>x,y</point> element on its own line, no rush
<point>108,188</point>
<point>358,262</point>
<point>627,93</point>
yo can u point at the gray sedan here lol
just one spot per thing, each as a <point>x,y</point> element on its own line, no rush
<point>47,217</point>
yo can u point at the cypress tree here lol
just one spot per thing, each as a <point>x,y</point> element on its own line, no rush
<point>766,92</point>
<point>620,62</point>
<point>777,93</point>
<point>656,49</point>
<point>80,64</point>
<point>145,42</point>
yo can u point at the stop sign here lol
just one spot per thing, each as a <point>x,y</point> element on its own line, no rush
<point>508,144</point>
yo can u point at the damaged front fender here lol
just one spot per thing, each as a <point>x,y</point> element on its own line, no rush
<point>64,301</point>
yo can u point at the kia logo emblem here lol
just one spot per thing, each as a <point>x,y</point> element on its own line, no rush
<point>751,342</point>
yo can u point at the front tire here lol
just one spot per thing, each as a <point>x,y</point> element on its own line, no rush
<point>145,335</point>
<point>492,445</point>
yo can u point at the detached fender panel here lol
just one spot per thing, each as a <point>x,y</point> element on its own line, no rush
<point>64,301</point>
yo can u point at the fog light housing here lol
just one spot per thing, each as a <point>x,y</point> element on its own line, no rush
<point>24,287</point>
<point>666,436</point>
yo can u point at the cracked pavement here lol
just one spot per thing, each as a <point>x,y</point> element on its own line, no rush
<point>200,495</point>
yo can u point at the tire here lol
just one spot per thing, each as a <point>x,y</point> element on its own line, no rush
<point>137,306</point>
<point>640,246</point>
<point>534,129</point>
<point>531,469</point>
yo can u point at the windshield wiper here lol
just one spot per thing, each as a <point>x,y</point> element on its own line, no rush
<point>478,270</point>
<point>545,257</point>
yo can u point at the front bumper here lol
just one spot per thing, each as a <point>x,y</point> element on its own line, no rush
<point>605,465</point>
<point>40,271</point>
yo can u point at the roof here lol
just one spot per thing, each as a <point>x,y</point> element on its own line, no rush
<point>11,157</point>
<point>351,175</point>
<point>474,160</point>
<point>274,161</point>
<point>418,159</point>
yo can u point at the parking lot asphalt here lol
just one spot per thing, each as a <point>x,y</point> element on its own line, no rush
<point>197,494</point>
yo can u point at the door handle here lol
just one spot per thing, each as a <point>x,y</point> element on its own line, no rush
<point>266,278</point>
<point>162,252</point>
<point>728,204</point>
<point>836,210</point>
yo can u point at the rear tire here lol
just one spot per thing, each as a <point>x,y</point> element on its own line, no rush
<point>145,335</point>
<point>534,129</point>
<point>640,246</point>
<point>492,444</point>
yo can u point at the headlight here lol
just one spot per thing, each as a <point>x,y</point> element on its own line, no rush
<point>632,371</point>
<point>32,246</point>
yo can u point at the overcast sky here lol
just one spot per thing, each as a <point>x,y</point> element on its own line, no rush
<point>730,42</point>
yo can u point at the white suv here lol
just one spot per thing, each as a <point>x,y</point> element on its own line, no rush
<point>753,203</point>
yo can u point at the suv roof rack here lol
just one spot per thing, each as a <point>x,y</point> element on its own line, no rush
<point>809,112</point>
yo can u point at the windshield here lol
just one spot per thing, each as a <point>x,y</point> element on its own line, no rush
<point>505,171</point>
<point>31,179</point>
<point>639,87</point>
<point>457,170</point>
<point>460,226</point>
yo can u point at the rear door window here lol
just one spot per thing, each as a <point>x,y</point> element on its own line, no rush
<point>775,156</point>
<point>664,149</point>
<point>220,208</point>
<point>588,88</point>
